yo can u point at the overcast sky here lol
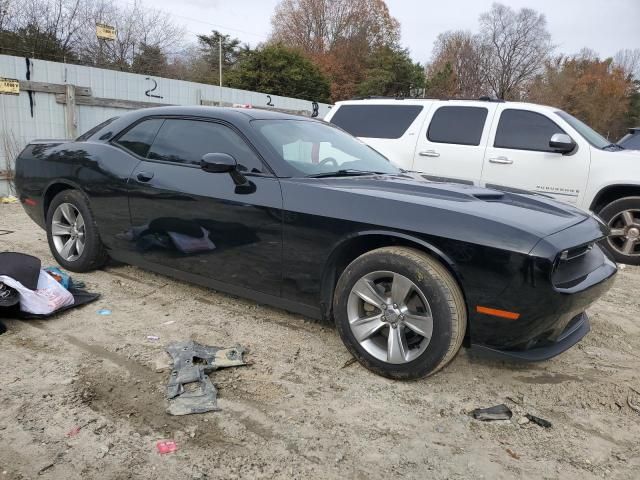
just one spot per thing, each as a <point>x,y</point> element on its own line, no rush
<point>605,26</point>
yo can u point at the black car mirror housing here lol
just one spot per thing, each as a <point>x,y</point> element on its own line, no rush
<point>218,163</point>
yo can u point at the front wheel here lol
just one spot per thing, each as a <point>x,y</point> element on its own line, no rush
<point>72,233</point>
<point>400,312</point>
<point>623,218</point>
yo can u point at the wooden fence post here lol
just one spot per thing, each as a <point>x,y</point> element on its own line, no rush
<point>71,115</point>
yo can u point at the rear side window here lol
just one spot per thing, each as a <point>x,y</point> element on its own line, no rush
<point>89,133</point>
<point>187,141</point>
<point>524,130</point>
<point>139,138</point>
<point>458,125</point>
<point>376,121</point>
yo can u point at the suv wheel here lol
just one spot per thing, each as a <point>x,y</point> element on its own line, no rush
<point>400,312</point>
<point>623,218</point>
<point>72,233</point>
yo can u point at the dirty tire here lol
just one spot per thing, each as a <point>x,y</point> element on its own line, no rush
<point>439,288</point>
<point>610,212</point>
<point>94,255</point>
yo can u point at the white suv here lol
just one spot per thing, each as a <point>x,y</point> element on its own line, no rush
<point>507,146</point>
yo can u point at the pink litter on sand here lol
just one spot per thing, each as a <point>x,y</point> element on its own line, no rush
<point>166,446</point>
<point>73,432</point>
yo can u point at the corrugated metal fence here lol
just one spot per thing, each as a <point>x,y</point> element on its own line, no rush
<point>60,100</point>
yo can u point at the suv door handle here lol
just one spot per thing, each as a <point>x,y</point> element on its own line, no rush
<point>429,153</point>
<point>501,160</point>
<point>144,177</point>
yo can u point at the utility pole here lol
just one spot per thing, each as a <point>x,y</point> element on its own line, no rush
<point>220,65</point>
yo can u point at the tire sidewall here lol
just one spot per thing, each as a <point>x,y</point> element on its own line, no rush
<point>434,291</point>
<point>90,253</point>
<point>612,210</point>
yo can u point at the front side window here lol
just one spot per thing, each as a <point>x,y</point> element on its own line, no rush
<point>139,138</point>
<point>457,125</point>
<point>187,141</point>
<point>313,148</point>
<point>525,130</point>
<point>376,121</point>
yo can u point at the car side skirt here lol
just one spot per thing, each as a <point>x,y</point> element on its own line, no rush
<point>259,297</point>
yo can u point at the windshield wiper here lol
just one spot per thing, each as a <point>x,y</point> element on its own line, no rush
<point>350,172</point>
<point>613,146</point>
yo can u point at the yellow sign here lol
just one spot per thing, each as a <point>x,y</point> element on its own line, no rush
<point>106,32</point>
<point>10,86</point>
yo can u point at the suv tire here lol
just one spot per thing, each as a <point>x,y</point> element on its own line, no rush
<point>623,218</point>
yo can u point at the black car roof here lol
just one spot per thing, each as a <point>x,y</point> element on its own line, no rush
<point>223,113</point>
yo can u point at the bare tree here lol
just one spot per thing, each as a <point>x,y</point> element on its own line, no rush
<point>464,54</point>
<point>317,26</point>
<point>137,26</point>
<point>517,44</point>
<point>629,61</point>
<point>339,35</point>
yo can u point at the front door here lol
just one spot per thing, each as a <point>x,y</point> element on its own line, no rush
<point>452,143</point>
<point>206,224</point>
<point>519,156</point>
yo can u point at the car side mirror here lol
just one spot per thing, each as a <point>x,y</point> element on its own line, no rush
<point>562,143</point>
<point>218,163</point>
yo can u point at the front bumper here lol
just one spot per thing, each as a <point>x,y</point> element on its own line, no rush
<point>575,331</point>
<point>551,301</point>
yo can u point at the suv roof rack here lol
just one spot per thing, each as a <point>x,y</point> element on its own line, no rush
<point>484,98</point>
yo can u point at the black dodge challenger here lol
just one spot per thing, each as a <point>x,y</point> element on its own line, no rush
<point>298,214</point>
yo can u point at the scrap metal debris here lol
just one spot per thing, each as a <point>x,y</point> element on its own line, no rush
<point>498,412</point>
<point>189,389</point>
<point>538,421</point>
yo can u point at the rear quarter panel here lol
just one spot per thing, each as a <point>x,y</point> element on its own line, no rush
<point>99,170</point>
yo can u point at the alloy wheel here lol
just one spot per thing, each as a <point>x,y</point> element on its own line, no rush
<point>68,231</point>
<point>625,232</point>
<point>390,317</point>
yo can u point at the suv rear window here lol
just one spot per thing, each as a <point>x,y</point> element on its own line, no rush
<point>376,121</point>
<point>458,125</point>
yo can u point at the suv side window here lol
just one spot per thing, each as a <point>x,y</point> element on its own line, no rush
<point>376,121</point>
<point>457,125</point>
<point>525,130</point>
<point>139,138</point>
<point>187,141</point>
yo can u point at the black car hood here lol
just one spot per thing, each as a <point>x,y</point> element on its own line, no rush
<point>464,212</point>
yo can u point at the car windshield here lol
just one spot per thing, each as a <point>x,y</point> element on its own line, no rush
<point>317,149</point>
<point>593,137</point>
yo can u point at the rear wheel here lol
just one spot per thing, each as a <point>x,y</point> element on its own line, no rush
<point>72,233</point>
<point>623,218</point>
<point>400,312</point>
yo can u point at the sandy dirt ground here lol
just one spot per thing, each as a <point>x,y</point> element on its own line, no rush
<point>300,410</point>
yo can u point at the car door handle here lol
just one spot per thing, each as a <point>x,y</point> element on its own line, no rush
<point>429,153</point>
<point>501,160</point>
<point>144,177</point>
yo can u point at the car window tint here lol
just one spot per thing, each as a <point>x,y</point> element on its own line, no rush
<point>88,134</point>
<point>376,121</point>
<point>187,141</point>
<point>524,130</point>
<point>459,125</point>
<point>139,138</point>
